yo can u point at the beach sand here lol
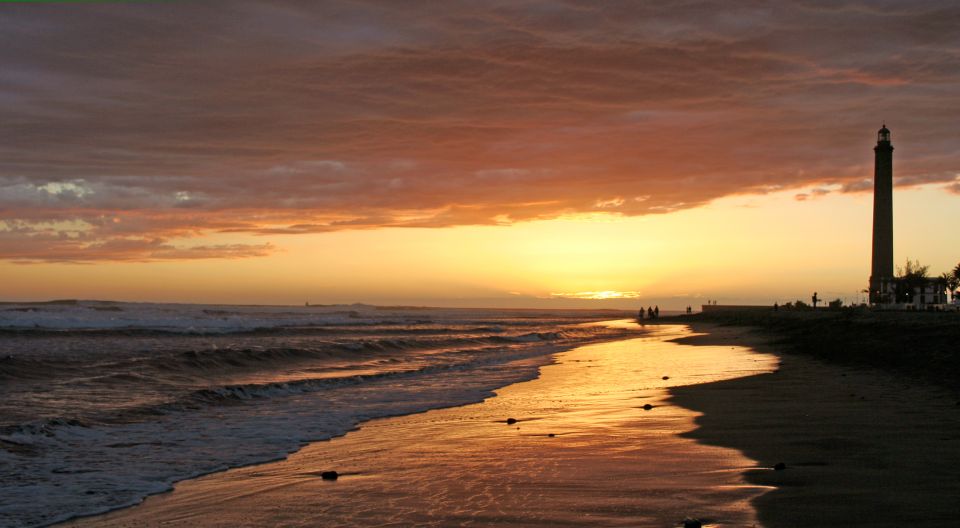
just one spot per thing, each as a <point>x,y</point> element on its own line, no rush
<point>861,448</point>
<point>609,462</point>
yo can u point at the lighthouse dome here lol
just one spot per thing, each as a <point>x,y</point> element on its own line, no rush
<point>883,135</point>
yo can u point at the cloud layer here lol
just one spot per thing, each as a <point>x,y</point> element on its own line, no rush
<point>133,131</point>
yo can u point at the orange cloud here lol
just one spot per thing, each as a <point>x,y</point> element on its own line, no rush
<point>276,118</point>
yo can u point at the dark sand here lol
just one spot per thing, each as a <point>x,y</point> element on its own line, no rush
<point>608,463</point>
<point>863,447</point>
<point>921,345</point>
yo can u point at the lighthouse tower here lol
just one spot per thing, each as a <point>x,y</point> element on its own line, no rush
<point>881,271</point>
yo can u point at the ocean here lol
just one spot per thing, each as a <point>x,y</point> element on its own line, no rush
<point>103,403</point>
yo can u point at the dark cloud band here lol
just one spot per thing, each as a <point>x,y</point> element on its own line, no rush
<point>176,120</point>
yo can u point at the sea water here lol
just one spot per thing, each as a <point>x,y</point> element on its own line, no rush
<point>102,403</point>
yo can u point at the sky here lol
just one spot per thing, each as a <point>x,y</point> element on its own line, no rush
<point>517,153</point>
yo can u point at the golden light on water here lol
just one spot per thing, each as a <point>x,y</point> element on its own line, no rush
<point>599,295</point>
<point>584,419</point>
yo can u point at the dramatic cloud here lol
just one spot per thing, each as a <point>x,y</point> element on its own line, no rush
<point>955,186</point>
<point>76,242</point>
<point>129,129</point>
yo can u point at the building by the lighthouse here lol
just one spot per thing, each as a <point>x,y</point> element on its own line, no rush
<point>882,281</point>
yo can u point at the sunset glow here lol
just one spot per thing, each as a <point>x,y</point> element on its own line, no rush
<point>523,152</point>
<point>497,263</point>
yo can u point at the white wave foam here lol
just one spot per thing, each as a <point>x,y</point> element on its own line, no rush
<point>191,318</point>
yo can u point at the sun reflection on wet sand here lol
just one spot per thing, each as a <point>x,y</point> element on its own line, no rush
<point>596,442</point>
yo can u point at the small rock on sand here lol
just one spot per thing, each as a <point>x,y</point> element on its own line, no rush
<point>647,407</point>
<point>692,523</point>
<point>551,435</point>
<point>329,475</point>
<point>666,377</point>
<point>779,466</point>
<point>511,421</point>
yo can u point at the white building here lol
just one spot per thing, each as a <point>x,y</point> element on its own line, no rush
<point>930,293</point>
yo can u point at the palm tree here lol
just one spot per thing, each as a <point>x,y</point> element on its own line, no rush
<point>953,281</point>
<point>949,282</point>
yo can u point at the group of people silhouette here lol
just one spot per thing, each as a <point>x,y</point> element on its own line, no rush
<point>652,313</point>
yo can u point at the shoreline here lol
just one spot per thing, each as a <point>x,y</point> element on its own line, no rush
<point>585,450</point>
<point>861,446</point>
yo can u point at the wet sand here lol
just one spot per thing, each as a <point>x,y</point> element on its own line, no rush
<point>584,451</point>
<point>863,447</point>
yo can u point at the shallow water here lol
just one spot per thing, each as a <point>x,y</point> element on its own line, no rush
<point>609,462</point>
<point>104,403</point>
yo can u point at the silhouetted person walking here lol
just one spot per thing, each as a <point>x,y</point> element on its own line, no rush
<point>656,312</point>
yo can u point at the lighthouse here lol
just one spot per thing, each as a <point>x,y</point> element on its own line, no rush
<point>881,271</point>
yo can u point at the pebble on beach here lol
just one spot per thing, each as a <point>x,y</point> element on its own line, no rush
<point>329,475</point>
<point>647,407</point>
<point>666,377</point>
<point>551,435</point>
<point>511,421</point>
<point>779,466</point>
<point>692,523</point>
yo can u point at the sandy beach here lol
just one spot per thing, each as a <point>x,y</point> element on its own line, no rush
<point>861,448</point>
